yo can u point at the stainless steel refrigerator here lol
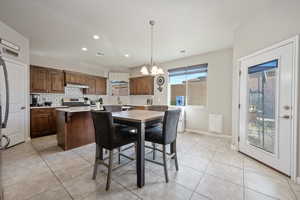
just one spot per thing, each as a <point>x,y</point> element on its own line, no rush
<point>4,111</point>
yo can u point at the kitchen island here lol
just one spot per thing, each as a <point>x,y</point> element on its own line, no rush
<point>75,127</point>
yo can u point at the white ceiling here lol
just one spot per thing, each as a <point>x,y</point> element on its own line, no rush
<point>60,28</point>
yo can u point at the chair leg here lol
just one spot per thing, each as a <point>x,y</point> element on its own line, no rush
<point>96,162</point>
<point>154,150</point>
<point>165,163</point>
<point>109,169</point>
<point>176,160</point>
<point>119,155</point>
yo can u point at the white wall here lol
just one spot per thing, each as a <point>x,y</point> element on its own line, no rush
<point>219,83</point>
<point>11,35</point>
<point>278,22</point>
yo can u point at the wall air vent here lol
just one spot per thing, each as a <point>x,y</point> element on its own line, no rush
<point>9,45</point>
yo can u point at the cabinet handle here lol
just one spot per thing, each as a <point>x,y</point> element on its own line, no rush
<point>23,108</point>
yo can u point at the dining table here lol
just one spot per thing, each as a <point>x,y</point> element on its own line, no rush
<point>139,119</point>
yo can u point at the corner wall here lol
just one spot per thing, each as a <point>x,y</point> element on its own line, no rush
<point>278,22</point>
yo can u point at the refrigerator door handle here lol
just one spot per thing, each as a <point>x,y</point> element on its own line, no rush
<point>7,142</point>
<point>4,124</point>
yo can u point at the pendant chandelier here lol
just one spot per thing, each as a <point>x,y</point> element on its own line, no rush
<point>154,69</point>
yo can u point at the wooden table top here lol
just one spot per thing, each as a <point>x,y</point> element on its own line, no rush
<point>138,115</point>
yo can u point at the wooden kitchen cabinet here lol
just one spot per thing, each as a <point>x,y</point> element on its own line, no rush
<point>56,83</point>
<point>38,79</point>
<point>142,85</point>
<point>97,85</point>
<point>75,78</point>
<point>42,122</point>
<point>100,86</point>
<point>91,82</point>
<point>46,80</point>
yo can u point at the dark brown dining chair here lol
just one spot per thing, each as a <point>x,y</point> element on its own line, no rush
<point>161,108</point>
<point>118,108</point>
<point>113,108</point>
<point>165,136</point>
<point>109,136</point>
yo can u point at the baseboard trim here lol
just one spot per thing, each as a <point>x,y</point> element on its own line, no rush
<point>208,133</point>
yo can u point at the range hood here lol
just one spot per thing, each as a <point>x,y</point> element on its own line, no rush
<point>76,86</point>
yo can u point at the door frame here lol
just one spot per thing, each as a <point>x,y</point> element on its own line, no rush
<point>294,137</point>
<point>26,95</point>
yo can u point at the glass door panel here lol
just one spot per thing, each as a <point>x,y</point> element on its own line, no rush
<point>262,91</point>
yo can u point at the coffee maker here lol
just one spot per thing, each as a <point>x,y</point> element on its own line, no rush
<point>34,99</point>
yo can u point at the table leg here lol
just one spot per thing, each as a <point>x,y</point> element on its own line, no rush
<point>140,162</point>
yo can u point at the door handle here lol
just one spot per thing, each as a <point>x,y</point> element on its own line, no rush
<point>285,117</point>
<point>23,108</point>
<point>7,142</point>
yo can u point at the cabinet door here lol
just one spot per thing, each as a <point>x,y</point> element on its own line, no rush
<point>43,122</point>
<point>38,79</point>
<point>91,82</point>
<point>56,81</point>
<point>149,85</point>
<point>100,86</point>
<point>132,85</point>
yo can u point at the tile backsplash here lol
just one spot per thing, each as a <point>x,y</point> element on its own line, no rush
<point>77,93</point>
<point>69,93</point>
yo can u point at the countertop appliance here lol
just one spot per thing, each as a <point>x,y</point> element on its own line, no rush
<point>34,100</point>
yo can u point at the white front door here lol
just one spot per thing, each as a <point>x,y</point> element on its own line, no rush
<point>16,126</point>
<point>266,104</point>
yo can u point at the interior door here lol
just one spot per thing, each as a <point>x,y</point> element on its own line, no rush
<point>266,96</point>
<point>17,74</point>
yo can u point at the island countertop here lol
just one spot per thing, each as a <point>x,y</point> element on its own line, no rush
<point>77,109</point>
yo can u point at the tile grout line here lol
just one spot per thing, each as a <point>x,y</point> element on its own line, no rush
<point>291,188</point>
<point>204,173</point>
<point>56,177</point>
<point>127,189</point>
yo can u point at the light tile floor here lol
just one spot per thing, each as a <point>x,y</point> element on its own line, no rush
<point>209,169</point>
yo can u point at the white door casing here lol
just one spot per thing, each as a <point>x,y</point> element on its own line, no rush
<point>284,157</point>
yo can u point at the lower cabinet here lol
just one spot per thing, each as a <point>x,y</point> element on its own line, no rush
<point>42,122</point>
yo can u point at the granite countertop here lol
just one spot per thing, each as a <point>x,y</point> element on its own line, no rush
<point>77,109</point>
<point>53,106</point>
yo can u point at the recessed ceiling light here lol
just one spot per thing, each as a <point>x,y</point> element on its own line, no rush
<point>99,54</point>
<point>127,55</point>
<point>84,49</point>
<point>96,37</point>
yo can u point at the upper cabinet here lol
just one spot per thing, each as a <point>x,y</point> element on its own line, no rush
<point>56,83</point>
<point>100,86</point>
<point>75,78</point>
<point>45,80</point>
<point>38,79</point>
<point>97,85</point>
<point>91,82</point>
<point>142,85</point>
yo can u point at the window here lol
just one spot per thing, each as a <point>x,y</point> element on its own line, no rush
<point>188,85</point>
